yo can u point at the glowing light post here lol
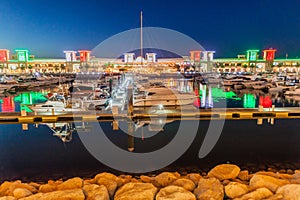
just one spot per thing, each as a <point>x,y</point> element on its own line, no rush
<point>84,56</point>
<point>195,57</point>
<point>70,58</point>
<point>4,57</point>
<point>23,57</point>
<point>252,56</point>
<point>269,56</point>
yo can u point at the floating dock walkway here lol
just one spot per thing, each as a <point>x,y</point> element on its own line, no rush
<point>144,115</point>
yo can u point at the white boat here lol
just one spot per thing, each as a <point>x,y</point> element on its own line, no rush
<point>55,105</point>
<point>162,96</point>
<point>295,92</point>
<point>250,84</point>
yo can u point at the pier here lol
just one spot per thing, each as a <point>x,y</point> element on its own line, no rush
<point>143,115</point>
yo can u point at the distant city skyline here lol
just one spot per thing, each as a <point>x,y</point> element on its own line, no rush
<point>47,28</point>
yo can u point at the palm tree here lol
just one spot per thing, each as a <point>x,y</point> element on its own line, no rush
<point>22,67</point>
<point>56,67</point>
<point>62,67</point>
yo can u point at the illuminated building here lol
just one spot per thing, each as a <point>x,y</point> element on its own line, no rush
<point>129,57</point>
<point>22,55</point>
<point>252,55</point>
<point>70,56</point>
<point>195,56</point>
<point>202,61</point>
<point>84,56</point>
<point>269,54</point>
<point>151,57</point>
<point>4,55</point>
<point>4,58</point>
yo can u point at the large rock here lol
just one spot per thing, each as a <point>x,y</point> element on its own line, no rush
<point>72,183</point>
<point>8,198</point>
<point>7,188</point>
<point>224,171</point>
<point>47,188</point>
<point>185,183</point>
<point>164,179</point>
<point>210,188</point>
<point>259,194</point>
<point>290,191</point>
<point>95,192</point>
<point>21,192</point>
<point>175,193</point>
<point>146,179</point>
<point>110,184</point>
<point>106,175</point>
<point>234,189</point>
<point>275,197</point>
<point>123,179</point>
<point>194,177</point>
<point>75,194</point>
<point>244,175</point>
<point>136,191</point>
<point>260,181</point>
<point>4,188</point>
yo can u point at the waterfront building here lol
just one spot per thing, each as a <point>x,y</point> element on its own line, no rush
<point>202,61</point>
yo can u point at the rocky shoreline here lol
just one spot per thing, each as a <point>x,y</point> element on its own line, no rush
<point>225,181</point>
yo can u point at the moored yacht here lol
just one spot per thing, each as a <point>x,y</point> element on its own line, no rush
<point>163,96</point>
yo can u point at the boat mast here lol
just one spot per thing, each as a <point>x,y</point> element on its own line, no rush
<point>141,38</point>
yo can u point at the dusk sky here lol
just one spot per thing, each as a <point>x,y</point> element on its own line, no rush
<point>230,27</point>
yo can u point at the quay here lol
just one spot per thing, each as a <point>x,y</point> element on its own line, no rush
<point>139,115</point>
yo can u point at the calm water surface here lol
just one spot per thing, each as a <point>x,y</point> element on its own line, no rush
<point>38,155</point>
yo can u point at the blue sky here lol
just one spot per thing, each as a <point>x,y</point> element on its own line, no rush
<point>230,27</point>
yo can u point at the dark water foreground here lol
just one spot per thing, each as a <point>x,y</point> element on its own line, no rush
<point>37,155</point>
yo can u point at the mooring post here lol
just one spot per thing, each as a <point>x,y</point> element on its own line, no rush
<point>272,119</point>
<point>130,136</point>
<point>130,101</point>
<point>130,116</point>
<point>24,126</point>
<point>260,120</point>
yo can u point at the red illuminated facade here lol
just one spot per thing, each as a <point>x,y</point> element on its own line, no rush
<point>195,55</point>
<point>84,55</point>
<point>269,54</point>
<point>4,55</point>
<point>8,105</point>
<point>265,102</point>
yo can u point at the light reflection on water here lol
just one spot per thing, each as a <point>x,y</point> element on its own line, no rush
<point>209,96</point>
<point>41,153</point>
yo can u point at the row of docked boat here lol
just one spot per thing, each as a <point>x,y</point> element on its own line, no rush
<point>270,83</point>
<point>76,98</point>
<point>21,83</point>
